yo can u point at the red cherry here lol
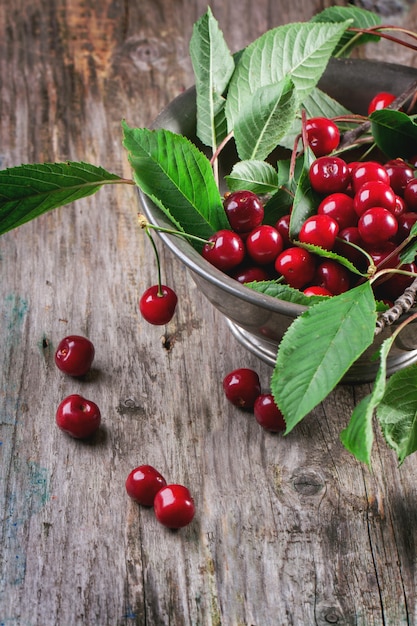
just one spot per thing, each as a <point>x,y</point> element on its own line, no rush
<point>405,223</point>
<point>264,244</point>
<point>323,135</point>
<point>143,483</point>
<point>297,266</point>
<point>380,101</point>
<point>333,277</point>
<point>267,414</point>
<point>250,273</point>
<point>374,193</point>
<point>244,210</point>
<point>319,230</point>
<point>369,170</point>
<point>377,225</point>
<point>78,417</point>
<point>410,195</point>
<point>157,304</point>
<point>74,355</point>
<point>225,250</point>
<point>242,387</point>
<point>329,175</point>
<point>315,290</point>
<point>400,174</point>
<point>339,206</point>
<point>283,227</point>
<point>395,286</point>
<point>174,506</point>
<point>350,235</point>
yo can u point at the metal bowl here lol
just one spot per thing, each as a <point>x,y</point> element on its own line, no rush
<point>259,321</point>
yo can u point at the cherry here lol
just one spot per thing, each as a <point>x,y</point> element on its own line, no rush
<point>267,414</point>
<point>369,170</point>
<point>395,286</point>
<point>315,290</point>
<point>410,195</point>
<point>380,101</point>
<point>283,227</point>
<point>225,250</point>
<point>74,355</point>
<point>332,277</point>
<point>264,244</point>
<point>319,230</point>
<point>157,304</point>
<point>323,135</point>
<point>400,174</point>
<point>405,223</point>
<point>244,210</point>
<point>174,506</point>
<point>339,206</point>
<point>250,273</point>
<point>374,193</point>
<point>377,225</point>
<point>143,483</point>
<point>297,266</point>
<point>329,175</point>
<point>242,387</point>
<point>350,235</point>
<point>78,417</point>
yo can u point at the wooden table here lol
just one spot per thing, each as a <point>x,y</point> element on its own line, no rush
<point>288,531</point>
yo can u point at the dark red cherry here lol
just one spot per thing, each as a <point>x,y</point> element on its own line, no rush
<point>244,210</point>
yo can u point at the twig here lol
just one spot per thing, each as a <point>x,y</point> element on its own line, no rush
<point>402,305</point>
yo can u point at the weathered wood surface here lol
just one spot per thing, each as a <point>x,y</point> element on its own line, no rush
<point>288,531</point>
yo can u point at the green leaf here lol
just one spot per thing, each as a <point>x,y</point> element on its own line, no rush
<point>213,67</point>
<point>319,348</point>
<point>299,50</point>
<point>329,254</point>
<point>177,177</point>
<point>276,206</point>
<point>306,200</point>
<point>264,117</point>
<point>361,18</point>
<point>27,191</point>
<point>397,412</point>
<point>394,133</point>
<point>358,437</point>
<point>256,176</point>
<point>282,291</point>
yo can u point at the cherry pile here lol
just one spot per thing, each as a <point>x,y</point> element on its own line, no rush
<point>369,204</point>
<point>81,418</point>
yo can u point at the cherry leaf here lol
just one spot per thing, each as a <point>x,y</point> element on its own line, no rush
<point>264,117</point>
<point>27,191</point>
<point>361,18</point>
<point>259,177</point>
<point>358,436</point>
<point>397,412</point>
<point>178,177</point>
<point>306,200</point>
<point>394,133</point>
<point>213,67</point>
<point>319,348</point>
<point>300,51</point>
<point>284,292</point>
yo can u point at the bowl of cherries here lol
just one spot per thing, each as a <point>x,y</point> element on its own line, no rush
<point>286,182</point>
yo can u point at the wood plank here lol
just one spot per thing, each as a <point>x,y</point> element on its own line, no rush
<point>288,531</point>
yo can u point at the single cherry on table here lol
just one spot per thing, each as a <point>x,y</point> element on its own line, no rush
<point>174,506</point>
<point>78,416</point>
<point>74,355</point>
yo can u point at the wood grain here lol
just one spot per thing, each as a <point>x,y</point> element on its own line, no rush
<point>288,531</point>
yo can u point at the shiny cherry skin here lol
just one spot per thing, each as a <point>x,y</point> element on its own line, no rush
<point>323,135</point>
<point>380,101</point>
<point>225,250</point>
<point>174,506</point>
<point>74,355</point>
<point>143,483</point>
<point>374,193</point>
<point>395,286</point>
<point>241,387</point>
<point>405,223</point>
<point>297,266</point>
<point>319,230</point>
<point>78,416</point>
<point>329,175</point>
<point>332,277</point>
<point>345,237</point>
<point>339,206</point>
<point>267,414</point>
<point>249,273</point>
<point>400,174</point>
<point>264,244</point>
<point>316,290</point>
<point>410,195</point>
<point>244,210</point>
<point>377,225</point>
<point>283,227</point>
<point>157,304</point>
<point>366,171</point>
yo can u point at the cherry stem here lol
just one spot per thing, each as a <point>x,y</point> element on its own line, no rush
<point>143,223</point>
<point>158,264</point>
